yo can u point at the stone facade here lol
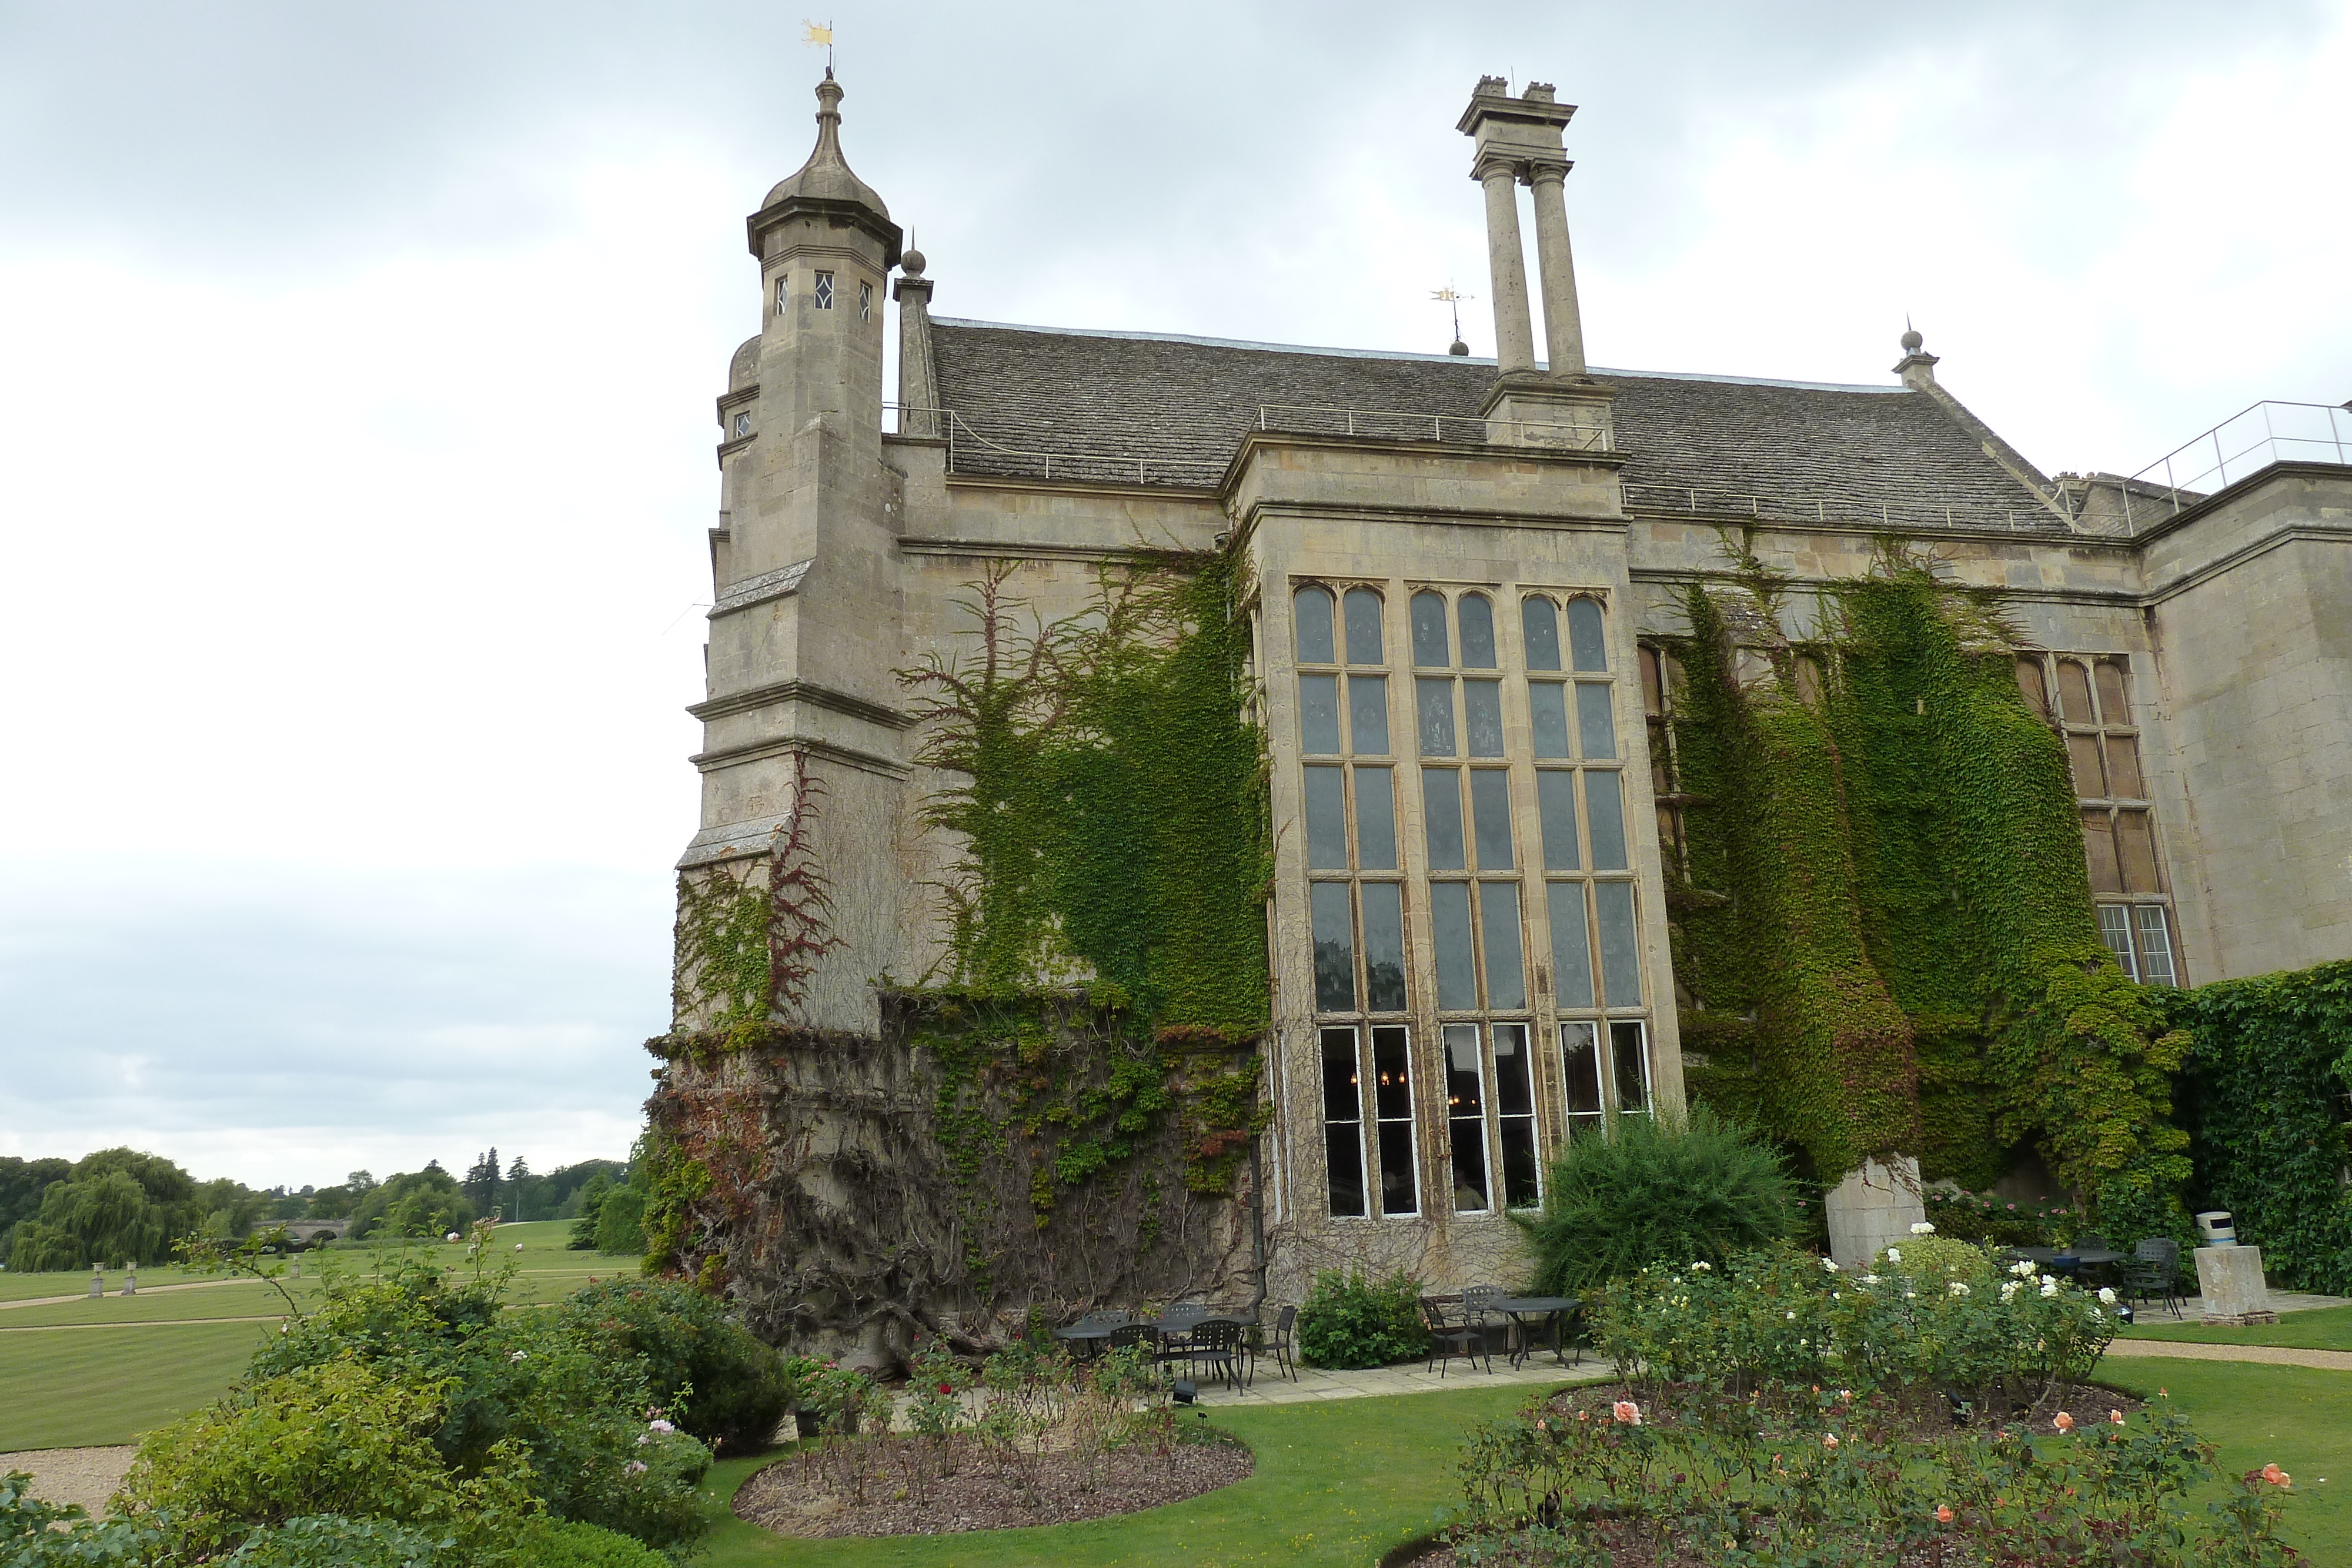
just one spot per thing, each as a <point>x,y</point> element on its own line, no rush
<point>1469,957</point>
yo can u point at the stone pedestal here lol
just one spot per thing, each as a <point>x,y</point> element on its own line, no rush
<point>2230,1281</point>
<point>1874,1208</point>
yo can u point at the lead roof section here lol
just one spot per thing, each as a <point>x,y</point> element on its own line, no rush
<point>1119,408</point>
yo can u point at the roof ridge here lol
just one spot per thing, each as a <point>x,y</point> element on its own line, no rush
<point>954,321</point>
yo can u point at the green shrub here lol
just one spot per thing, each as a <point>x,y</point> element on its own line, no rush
<point>332,1439</point>
<point>333,1541</point>
<point>574,1399</point>
<point>1349,1320</point>
<point>620,1223</point>
<point>1939,1258</point>
<point>717,1380</point>
<point>1654,1192</point>
<point>550,1544</point>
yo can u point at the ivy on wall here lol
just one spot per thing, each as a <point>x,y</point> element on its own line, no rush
<point>2269,1069</point>
<point>1887,928</point>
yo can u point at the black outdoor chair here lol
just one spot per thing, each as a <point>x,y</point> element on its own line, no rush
<point>1450,1336</point>
<point>1479,1312</point>
<point>1137,1336</point>
<point>1281,1342</point>
<point>1218,1342</point>
<point>2155,1270</point>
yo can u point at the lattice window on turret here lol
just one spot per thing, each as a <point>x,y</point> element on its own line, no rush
<point>866,302</point>
<point>824,291</point>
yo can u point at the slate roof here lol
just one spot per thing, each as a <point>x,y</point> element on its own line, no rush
<point>1129,408</point>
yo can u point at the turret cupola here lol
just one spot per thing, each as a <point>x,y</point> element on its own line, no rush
<point>825,187</point>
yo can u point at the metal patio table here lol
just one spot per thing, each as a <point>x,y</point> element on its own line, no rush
<point>1523,1310</point>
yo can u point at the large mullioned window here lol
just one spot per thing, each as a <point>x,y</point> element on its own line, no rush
<point>2087,699</point>
<point>1500,730</point>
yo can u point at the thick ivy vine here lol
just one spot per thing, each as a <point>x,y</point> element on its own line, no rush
<point>1887,930</point>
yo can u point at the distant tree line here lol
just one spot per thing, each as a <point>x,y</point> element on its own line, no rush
<point>120,1207</point>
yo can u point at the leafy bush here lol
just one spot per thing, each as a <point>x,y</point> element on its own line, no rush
<point>1940,1259</point>
<point>332,1439</point>
<point>620,1223</point>
<point>1350,1321</point>
<point>332,1540</point>
<point>1981,1216</point>
<point>1655,1193</point>
<point>550,1544</point>
<point>573,1398</point>
<point>1779,1317</point>
<point>717,1380</point>
<point>1836,1480</point>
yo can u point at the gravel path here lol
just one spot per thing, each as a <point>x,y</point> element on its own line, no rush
<point>86,1476</point>
<point>2276,1356</point>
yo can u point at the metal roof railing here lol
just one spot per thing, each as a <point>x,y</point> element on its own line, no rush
<point>965,443</point>
<point>1391,425</point>
<point>2255,438</point>
<point>1923,508</point>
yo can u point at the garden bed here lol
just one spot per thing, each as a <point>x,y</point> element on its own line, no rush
<point>912,1486</point>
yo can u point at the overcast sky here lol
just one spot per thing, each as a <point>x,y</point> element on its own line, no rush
<point>355,374</point>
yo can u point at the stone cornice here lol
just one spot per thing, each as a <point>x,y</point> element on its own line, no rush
<point>784,746</point>
<point>2260,477</point>
<point>1490,450</point>
<point>1027,550</point>
<point>807,691</point>
<point>2292,533</point>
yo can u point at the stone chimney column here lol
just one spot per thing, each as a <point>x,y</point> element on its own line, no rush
<point>1563,327</point>
<point>918,381</point>
<point>1507,264</point>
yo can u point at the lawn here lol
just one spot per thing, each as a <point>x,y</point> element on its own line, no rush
<point>73,1387</point>
<point>2298,1419</point>
<point>1337,1482</point>
<point>2321,1328</point>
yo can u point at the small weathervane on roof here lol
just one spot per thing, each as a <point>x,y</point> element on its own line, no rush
<point>1446,295</point>
<point>813,34</point>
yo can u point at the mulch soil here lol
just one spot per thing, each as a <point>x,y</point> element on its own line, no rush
<point>794,1496</point>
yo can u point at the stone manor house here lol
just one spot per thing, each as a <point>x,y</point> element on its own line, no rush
<point>1460,568</point>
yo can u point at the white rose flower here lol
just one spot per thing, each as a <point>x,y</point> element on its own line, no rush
<point>1703,1266</point>
<point>2022,1269</point>
<point>1830,1264</point>
<point>2106,1295</point>
<point>2049,1279</point>
<point>2051,1289</point>
<point>1959,1287</point>
<point>1895,1254</point>
<point>2009,1291</point>
<point>1792,1317</point>
<point>1921,1228</point>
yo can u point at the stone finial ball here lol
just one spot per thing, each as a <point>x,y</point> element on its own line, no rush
<point>912,264</point>
<point>1459,348</point>
<point>1911,342</point>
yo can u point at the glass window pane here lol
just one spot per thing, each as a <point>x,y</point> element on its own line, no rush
<point>1580,1055</point>
<point>2099,848</point>
<point>2073,692</point>
<point>1343,1153</point>
<point>1596,729</point>
<point>1368,714</point>
<point>1376,845</point>
<point>2123,768</point>
<point>1335,947</point>
<point>1364,628</point>
<point>1392,1074</point>
<point>1539,621</point>
<point>1515,1093</point>
<point>1340,1100</point>
<point>2083,756</point>
<point>1384,945</point>
<point>1588,647</point>
<point>1400,1191</point>
<point>1547,717</point>
<point>2113,707</point>
<point>1449,930</point>
<point>1490,818</point>
<point>1482,716</point>
<point>1556,802</point>
<point>1620,951</point>
<point>1441,815</point>
<point>1326,821</point>
<point>2136,849</point>
<point>1311,608</point>
<point>2115,930</point>
<point>1605,809</point>
<point>1477,616</point>
<point>2033,685</point>
<point>1318,714</point>
<point>1498,919</point>
<point>1466,1117</point>
<point>1571,946</point>
<point>2155,945</point>
<point>1392,1104</point>
<point>1429,630</point>
<point>1629,1056</point>
<point>1434,700</point>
